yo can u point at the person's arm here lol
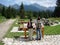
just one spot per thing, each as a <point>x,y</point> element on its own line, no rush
<point>27,24</point>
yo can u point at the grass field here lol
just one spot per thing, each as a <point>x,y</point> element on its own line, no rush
<point>1,43</point>
<point>48,30</point>
<point>55,19</point>
<point>52,30</point>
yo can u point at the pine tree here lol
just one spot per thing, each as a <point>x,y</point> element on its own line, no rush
<point>3,11</point>
<point>57,9</point>
<point>8,12</point>
<point>22,11</point>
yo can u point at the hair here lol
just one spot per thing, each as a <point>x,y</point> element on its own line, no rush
<point>38,18</point>
<point>30,19</point>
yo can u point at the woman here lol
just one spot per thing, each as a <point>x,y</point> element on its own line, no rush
<point>30,28</point>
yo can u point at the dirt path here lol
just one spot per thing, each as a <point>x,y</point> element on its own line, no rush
<point>4,27</point>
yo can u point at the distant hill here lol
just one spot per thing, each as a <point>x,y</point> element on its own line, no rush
<point>51,8</point>
<point>1,6</point>
<point>16,6</point>
<point>32,7</point>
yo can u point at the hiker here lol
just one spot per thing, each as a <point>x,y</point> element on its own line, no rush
<point>30,29</point>
<point>38,29</point>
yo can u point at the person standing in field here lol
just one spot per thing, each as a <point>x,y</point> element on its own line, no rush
<point>38,29</point>
<point>30,29</point>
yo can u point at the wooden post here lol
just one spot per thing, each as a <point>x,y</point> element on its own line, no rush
<point>42,32</point>
<point>25,29</point>
<point>25,33</point>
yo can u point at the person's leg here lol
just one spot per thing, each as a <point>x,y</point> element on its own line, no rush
<point>37,34</point>
<point>29,34</point>
<point>32,33</point>
<point>40,34</point>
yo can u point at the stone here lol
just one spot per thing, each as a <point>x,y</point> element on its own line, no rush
<point>56,21</point>
<point>48,40</point>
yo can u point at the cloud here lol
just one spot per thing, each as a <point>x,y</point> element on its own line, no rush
<point>45,3</point>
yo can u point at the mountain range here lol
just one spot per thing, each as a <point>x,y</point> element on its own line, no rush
<point>32,7</point>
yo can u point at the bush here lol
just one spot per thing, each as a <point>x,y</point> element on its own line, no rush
<point>2,18</point>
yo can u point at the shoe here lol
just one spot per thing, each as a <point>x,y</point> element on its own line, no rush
<point>39,39</point>
<point>36,39</point>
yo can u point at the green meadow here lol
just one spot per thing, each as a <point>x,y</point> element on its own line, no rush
<point>48,30</point>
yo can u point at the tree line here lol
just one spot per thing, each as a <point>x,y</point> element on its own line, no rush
<point>10,12</point>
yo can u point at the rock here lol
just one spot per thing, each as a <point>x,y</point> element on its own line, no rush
<point>47,22</point>
<point>48,40</point>
<point>56,21</point>
<point>51,22</point>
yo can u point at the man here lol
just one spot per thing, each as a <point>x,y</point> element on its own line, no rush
<point>38,29</point>
<point>30,28</point>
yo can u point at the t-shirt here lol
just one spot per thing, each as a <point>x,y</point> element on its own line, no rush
<point>38,25</point>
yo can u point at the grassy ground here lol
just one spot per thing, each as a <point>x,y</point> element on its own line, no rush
<point>14,24</point>
<point>1,43</point>
<point>55,19</point>
<point>49,30</point>
<point>52,30</point>
<point>10,34</point>
<point>2,19</point>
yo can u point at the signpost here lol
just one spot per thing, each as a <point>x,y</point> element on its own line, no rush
<point>25,29</point>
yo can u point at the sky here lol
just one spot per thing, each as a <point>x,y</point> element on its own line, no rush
<point>45,3</point>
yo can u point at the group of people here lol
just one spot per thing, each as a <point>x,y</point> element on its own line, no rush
<point>39,29</point>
